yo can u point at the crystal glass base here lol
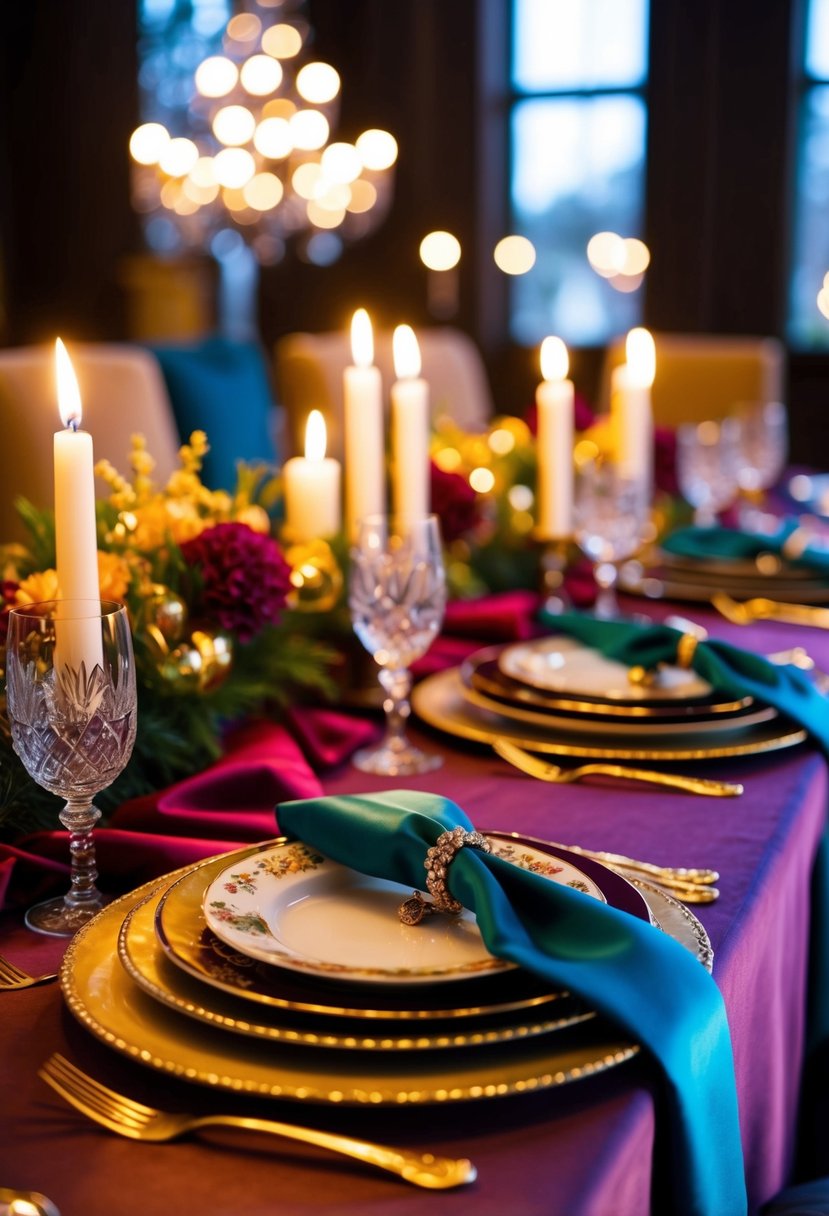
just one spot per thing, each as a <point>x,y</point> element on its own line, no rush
<point>388,761</point>
<point>57,918</point>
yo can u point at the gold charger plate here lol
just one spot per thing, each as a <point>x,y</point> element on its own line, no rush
<point>439,701</point>
<point>104,999</point>
<point>188,944</point>
<point>146,964</point>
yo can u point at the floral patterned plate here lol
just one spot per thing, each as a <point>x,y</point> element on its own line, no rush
<point>295,908</point>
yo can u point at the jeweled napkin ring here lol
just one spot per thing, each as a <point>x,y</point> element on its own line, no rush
<point>438,860</point>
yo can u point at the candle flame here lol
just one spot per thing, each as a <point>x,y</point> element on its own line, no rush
<point>362,339</point>
<point>554,359</point>
<point>69,395</point>
<point>315,437</point>
<point>641,358</point>
<point>406,353</point>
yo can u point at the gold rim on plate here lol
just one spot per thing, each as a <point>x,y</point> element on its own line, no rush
<point>146,964</point>
<point>438,700</point>
<point>104,999</point>
<point>188,944</point>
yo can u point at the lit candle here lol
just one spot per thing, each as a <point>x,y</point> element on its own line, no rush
<point>410,428</point>
<point>554,401</point>
<point>365,470</point>
<point>312,487</point>
<point>76,542</point>
<point>630,404</point>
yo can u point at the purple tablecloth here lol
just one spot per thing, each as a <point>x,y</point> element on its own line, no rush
<point>589,1149</point>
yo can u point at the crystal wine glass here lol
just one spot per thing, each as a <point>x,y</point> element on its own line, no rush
<point>611,516</point>
<point>707,464</point>
<point>397,596</point>
<point>763,448</point>
<point>71,699</point>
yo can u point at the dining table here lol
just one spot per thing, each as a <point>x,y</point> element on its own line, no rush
<point>595,1146</point>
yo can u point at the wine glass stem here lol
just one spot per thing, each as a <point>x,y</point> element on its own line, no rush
<point>397,684</point>
<point>607,605</point>
<point>79,818</point>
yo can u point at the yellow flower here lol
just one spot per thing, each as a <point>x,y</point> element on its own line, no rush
<point>114,576</point>
<point>256,519</point>
<point>43,585</point>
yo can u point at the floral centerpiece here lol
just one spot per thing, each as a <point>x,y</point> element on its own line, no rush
<point>209,594</point>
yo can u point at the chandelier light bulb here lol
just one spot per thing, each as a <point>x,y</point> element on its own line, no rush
<point>318,83</point>
<point>233,125</point>
<point>260,75</point>
<point>216,76</point>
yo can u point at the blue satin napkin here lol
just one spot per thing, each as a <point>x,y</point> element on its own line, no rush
<point>641,978</point>
<point>730,544</point>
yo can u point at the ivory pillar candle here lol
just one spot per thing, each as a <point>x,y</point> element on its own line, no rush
<point>76,541</point>
<point>554,402</point>
<point>410,429</point>
<point>365,471</point>
<point>630,403</point>
<point>312,487</point>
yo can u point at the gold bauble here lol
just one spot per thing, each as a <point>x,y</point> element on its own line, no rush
<point>316,578</point>
<point>164,615</point>
<point>200,664</point>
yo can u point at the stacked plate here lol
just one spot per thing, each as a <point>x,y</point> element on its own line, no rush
<point>557,695</point>
<point>275,971</point>
<point>685,578</point>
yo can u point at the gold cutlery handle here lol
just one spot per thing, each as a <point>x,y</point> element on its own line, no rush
<point>421,1169</point>
<point>683,874</point>
<point>694,785</point>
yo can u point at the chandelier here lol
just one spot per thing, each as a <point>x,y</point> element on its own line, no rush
<point>251,153</point>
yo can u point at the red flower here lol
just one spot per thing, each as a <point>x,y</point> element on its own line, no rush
<point>454,502</point>
<point>244,575</point>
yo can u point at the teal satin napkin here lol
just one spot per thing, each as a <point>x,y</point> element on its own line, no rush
<point>641,978</point>
<point>730,544</point>
<point>727,668</point>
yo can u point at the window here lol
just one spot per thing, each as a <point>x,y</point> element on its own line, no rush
<point>808,328</point>
<point>579,69</point>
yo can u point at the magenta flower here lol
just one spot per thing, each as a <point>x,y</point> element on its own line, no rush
<point>245,578</point>
<point>454,502</point>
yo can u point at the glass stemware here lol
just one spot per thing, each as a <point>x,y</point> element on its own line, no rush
<point>707,466</point>
<point>611,516</point>
<point>71,699</point>
<point>764,446</point>
<point>397,597</point>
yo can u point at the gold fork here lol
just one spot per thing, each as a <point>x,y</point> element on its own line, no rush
<point>13,977</point>
<point>138,1122</point>
<point>545,771</point>
<point>762,609</point>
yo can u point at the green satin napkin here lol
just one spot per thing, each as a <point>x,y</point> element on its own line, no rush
<point>641,978</point>
<point>727,668</point>
<point>730,544</point>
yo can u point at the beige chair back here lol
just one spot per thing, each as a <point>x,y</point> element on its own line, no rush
<point>309,374</point>
<point>122,391</point>
<point>701,376</point>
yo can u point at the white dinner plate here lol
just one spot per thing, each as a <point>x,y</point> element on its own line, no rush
<point>293,907</point>
<point>564,665</point>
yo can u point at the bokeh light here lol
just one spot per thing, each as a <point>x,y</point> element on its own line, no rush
<point>318,83</point>
<point>263,192</point>
<point>309,129</point>
<point>482,480</point>
<point>378,149</point>
<point>273,138</point>
<point>282,41</point>
<point>148,142</point>
<point>234,167</point>
<point>514,255</point>
<point>179,157</point>
<point>260,75</point>
<point>216,76</point>
<point>341,162</point>
<point>233,125</point>
<point>440,250</point>
<point>606,253</point>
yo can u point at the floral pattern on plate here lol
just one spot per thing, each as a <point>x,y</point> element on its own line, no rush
<point>294,908</point>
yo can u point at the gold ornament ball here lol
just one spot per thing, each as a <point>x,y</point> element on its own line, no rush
<point>164,613</point>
